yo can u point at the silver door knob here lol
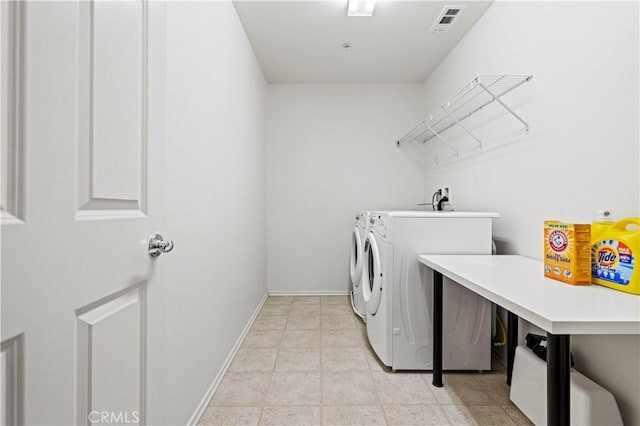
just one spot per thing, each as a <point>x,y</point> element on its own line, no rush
<point>157,245</point>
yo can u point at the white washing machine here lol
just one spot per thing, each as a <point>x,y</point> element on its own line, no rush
<point>398,291</point>
<point>357,250</point>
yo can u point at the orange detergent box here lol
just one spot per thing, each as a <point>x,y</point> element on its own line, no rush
<point>567,252</point>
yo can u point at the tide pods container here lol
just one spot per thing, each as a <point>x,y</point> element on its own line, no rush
<point>613,256</point>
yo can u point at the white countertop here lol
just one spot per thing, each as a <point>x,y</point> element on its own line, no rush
<point>423,213</point>
<point>517,284</point>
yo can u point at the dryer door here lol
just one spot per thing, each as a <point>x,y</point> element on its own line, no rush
<point>356,257</point>
<point>372,275</point>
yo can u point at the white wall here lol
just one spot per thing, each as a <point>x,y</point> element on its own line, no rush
<point>216,195</point>
<point>582,153</point>
<point>324,142</point>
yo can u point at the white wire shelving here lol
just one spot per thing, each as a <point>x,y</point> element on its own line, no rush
<point>473,97</point>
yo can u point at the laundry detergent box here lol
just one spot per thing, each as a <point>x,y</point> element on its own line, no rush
<point>567,252</point>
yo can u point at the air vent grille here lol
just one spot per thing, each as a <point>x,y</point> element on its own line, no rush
<point>446,18</point>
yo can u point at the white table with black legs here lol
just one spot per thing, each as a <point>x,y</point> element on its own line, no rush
<point>518,285</point>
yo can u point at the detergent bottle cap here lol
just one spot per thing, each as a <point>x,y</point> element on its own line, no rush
<point>603,216</point>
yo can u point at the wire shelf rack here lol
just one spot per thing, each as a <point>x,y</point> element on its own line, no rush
<point>473,97</point>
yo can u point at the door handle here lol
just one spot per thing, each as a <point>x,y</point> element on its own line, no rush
<point>158,245</point>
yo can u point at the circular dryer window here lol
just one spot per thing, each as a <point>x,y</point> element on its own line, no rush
<point>372,275</point>
<point>356,257</point>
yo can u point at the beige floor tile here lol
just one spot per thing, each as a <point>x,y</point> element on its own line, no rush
<point>348,388</point>
<point>269,323</point>
<point>516,415</point>
<point>219,416</point>
<point>484,415</point>
<point>363,332</point>
<point>331,300</point>
<point>241,389</point>
<point>338,322</point>
<point>308,415</point>
<point>344,359</point>
<point>305,309</point>
<point>460,388</point>
<point>336,309</point>
<point>303,322</point>
<point>306,300</point>
<point>490,415</point>
<point>294,359</point>
<point>402,388</point>
<point>279,300</point>
<point>300,339</point>
<point>470,390</point>
<point>415,415</point>
<point>360,323</point>
<point>374,363</point>
<point>353,415</point>
<point>254,359</point>
<point>268,310</point>
<point>427,376</point>
<point>294,389</point>
<point>347,338</point>
<point>459,415</point>
<point>263,339</point>
<point>495,385</point>
<point>307,360</point>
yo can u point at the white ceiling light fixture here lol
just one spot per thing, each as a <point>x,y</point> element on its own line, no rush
<point>361,7</point>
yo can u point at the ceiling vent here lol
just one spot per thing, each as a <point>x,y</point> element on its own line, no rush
<point>446,18</point>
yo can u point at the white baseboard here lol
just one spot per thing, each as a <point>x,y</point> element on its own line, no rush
<point>195,418</point>
<point>310,293</point>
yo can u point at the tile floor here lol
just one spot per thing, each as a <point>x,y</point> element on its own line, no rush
<point>307,361</point>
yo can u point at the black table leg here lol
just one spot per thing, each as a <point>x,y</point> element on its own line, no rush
<point>437,329</point>
<point>558,380</point>
<point>512,342</point>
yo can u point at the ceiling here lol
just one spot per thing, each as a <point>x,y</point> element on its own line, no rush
<point>302,41</point>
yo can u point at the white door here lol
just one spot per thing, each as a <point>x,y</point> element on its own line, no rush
<point>82,190</point>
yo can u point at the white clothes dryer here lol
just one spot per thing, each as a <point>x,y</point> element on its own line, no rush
<point>357,250</point>
<point>398,291</point>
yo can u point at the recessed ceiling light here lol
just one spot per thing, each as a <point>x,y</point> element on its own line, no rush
<point>361,7</point>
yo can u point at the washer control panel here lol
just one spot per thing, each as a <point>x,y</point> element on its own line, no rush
<point>379,223</point>
<point>362,219</point>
